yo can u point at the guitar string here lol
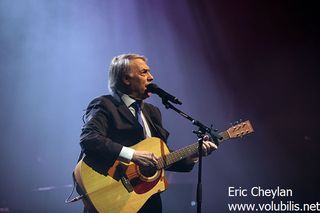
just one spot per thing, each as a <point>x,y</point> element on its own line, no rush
<point>170,158</point>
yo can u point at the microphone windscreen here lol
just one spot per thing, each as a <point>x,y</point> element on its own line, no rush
<point>152,87</point>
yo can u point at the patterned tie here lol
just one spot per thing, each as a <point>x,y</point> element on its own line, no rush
<point>137,107</point>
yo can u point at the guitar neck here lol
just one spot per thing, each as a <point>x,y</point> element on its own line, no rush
<point>182,153</point>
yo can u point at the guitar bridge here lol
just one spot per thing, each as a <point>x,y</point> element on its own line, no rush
<point>123,177</point>
<point>126,183</point>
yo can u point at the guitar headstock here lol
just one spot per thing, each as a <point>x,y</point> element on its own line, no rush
<point>240,129</point>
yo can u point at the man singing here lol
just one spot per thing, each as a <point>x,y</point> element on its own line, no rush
<point>118,121</point>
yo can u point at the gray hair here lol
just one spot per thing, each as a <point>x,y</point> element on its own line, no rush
<point>120,66</point>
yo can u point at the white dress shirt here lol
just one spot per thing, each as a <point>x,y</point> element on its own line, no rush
<point>126,153</point>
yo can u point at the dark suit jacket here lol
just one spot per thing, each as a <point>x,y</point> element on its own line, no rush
<point>110,125</point>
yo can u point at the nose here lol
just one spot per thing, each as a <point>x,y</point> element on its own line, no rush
<point>150,77</point>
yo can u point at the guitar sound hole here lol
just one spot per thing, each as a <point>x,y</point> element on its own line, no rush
<point>147,171</point>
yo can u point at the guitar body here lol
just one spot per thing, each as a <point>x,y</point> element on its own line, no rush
<point>108,193</point>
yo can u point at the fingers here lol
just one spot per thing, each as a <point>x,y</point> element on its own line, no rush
<point>145,158</point>
<point>208,147</point>
<point>206,138</point>
<point>154,159</point>
<point>205,149</point>
<point>150,160</point>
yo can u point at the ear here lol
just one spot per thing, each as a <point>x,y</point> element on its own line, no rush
<point>126,79</point>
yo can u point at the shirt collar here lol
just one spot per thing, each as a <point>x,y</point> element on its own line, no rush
<point>127,99</point>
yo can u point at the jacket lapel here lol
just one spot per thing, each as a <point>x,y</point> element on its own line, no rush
<point>124,110</point>
<point>155,129</point>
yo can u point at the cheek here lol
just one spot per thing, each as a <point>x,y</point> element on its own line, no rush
<point>137,83</point>
<point>140,81</point>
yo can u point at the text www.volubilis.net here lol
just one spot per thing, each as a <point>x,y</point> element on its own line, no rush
<point>274,207</point>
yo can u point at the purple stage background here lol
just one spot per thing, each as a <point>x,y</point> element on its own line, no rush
<point>226,60</point>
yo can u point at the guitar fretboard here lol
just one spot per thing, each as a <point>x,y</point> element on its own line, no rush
<point>182,153</point>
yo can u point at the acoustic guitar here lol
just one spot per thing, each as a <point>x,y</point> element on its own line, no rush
<point>126,187</point>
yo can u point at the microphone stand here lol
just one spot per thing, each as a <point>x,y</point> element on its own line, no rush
<point>202,130</point>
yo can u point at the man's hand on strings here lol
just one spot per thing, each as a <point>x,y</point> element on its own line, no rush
<point>207,148</point>
<point>144,158</point>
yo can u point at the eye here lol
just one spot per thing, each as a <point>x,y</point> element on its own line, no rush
<point>144,72</point>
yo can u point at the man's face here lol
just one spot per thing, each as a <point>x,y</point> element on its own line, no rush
<point>138,79</point>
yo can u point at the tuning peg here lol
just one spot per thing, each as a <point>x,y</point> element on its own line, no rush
<point>233,123</point>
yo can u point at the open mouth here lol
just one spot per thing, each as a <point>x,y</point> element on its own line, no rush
<point>147,92</point>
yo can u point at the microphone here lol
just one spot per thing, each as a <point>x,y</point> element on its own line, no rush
<point>153,88</point>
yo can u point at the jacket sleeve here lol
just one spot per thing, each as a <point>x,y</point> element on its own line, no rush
<point>94,139</point>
